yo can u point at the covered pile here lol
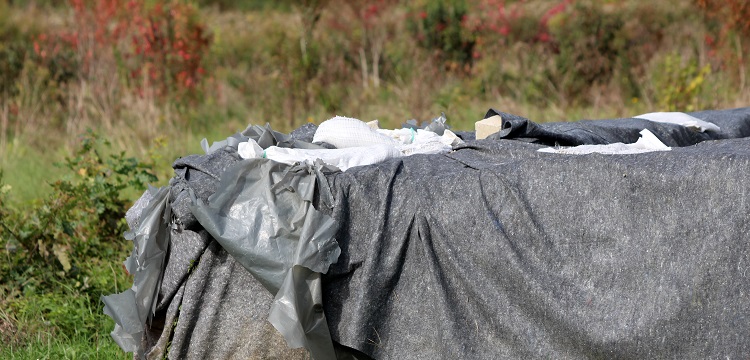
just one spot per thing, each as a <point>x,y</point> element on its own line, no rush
<point>492,250</point>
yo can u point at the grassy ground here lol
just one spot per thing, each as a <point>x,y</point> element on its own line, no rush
<point>29,331</point>
<point>64,347</point>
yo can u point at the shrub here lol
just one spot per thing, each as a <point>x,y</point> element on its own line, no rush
<point>512,54</point>
<point>12,53</point>
<point>592,43</point>
<point>729,35</point>
<point>159,46</point>
<point>586,39</point>
<point>679,84</point>
<point>62,245</point>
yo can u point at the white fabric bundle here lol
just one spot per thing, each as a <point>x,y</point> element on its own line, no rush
<point>343,132</point>
<point>647,143</point>
<point>357,143</point>
<point>340,158</point>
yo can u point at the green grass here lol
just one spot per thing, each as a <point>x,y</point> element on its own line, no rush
<point>65,347</point>
<point>27,171</point>
<point>60,325</point>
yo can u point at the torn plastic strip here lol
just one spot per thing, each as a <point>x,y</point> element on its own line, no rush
<point>263,216</point>
<point>267,137</point>
<point>231,141</point>
<point>133,308</point>
<point>297,313</point>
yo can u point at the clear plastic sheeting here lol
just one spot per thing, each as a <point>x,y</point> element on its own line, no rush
<point>263,216</point>
<point>250,149</point>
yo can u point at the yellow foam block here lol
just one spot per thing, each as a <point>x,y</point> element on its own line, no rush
<point>488,126</point>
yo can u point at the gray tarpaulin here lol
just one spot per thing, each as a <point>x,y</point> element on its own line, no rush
<point>492,251</point>
<point>132,308</point>
<point>262,214</point>
<point>498,251</point>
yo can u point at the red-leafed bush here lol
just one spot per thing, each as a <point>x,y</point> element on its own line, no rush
<point>729,25</point>
<point>512,22</point>
<point>440,26</point>
<point>157,47</point>
<point>734,15</point>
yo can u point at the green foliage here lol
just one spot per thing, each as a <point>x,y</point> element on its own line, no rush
<point>12,58</point>
<point>58,252</point>
<point>248,5</point>
<point>594,43</point>
<point>65,347</point>
<point>588,43</point>
<point>680,84</point>
<point>12,53</point>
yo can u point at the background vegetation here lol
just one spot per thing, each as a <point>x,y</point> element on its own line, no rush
<point>150,78</point>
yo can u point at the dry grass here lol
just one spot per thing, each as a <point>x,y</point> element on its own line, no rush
<point>257,76</point>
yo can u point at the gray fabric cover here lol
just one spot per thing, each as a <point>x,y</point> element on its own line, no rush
<point>498,251</point>
<point>734,123</point>
<point>493,251</point>
<point>222,315</point>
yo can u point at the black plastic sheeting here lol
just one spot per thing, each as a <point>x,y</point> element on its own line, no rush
<point>492,251</point>
<point>734,123</point>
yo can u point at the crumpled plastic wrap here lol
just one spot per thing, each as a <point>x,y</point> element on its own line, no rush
<point>293,244</point>
<point>266,137</point>
<point>262,214</point>
<point>437,125</point>
<point>132,308</point>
